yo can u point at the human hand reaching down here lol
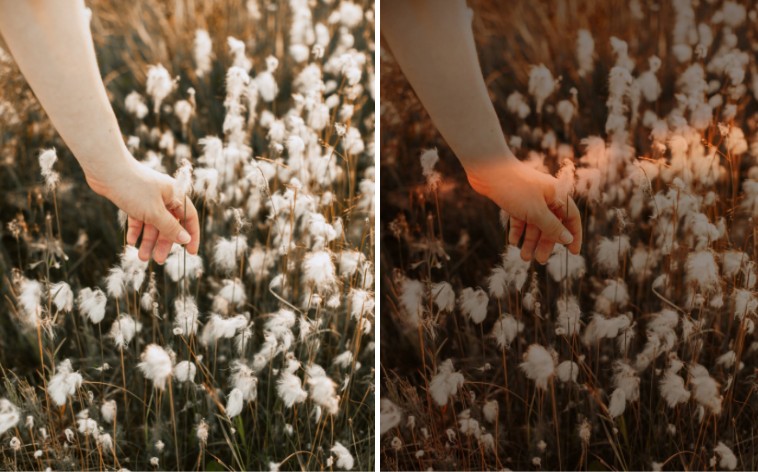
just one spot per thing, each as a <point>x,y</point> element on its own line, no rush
<point>528,196</point>
<point>433,43</point>
<point>53,47</point>
<point>154,206</point>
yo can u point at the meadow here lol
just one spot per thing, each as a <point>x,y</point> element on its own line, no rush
<point>640,352</point>
<point>256,354</point>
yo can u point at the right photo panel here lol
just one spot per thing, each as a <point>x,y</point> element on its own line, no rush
<point>569,193</point>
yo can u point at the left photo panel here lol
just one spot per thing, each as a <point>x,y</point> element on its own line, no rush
<point>187,237</point>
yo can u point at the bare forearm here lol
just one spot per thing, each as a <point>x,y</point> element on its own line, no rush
<point>433,43</point>
<point>52,45</point>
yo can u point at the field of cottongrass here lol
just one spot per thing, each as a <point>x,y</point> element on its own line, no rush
<point>641,352</point>
<point>256,354</point>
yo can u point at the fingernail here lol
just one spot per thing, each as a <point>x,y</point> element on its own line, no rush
<point>185,238</point>
<point>566,237</point>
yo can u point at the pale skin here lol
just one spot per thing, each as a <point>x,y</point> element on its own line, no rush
<point>51,42</point>
<point>433,43</point>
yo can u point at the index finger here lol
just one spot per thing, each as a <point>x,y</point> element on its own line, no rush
<point>187,214</point>
<point>572,220</point>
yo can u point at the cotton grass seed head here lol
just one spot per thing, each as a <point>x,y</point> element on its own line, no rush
<point>156,364</point>
<point>538,365</point>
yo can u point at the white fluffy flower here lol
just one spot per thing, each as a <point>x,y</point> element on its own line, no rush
<point>585,51</point>
<point>541,84</point>
<point>429,159</point>
<point>319,270</point>
<point>87,425</point>
<point>705,390</point>
<point>505,330</point>
<point>9,415</point>
<point>445,383</point>
<point>322,389</point>
<point>135,105</point>
<point>618,403</point>
<point>290,389</point>
<point>474,304</point>
<point>610,252</point>
<point>203,52</point>
<point>29,299</point>
<point>156,365</point>
<point>443,296</point>
<point>568,322</point>
<point>702,271</point>
<point>565,265</point>
<point>350,262</point>
<point>185,371</point>
<point>227,252</point>
<point>234,403</point>
<point>728,459</point>
<point>267,86</point>
<point>202,432</point>
<point>123,330</point>
<point>64,383</point>
<point>361,303</point>
<point>625,378</point>
<point>673,390</point>
<point>345,460</point>
<point>180,264</point>
<point>187,315</point>
<point>390,415</point>
<point>601,327</point>
<point>231,294</point>
<point>108,411</point>
<point>244,379</point>
<point>219,327</point>
<point>159,85</point>
<point>538,365</point>
<point>46,161</point>
<point>63,296</point>
<point>490,410</point>
<point>567,371</point>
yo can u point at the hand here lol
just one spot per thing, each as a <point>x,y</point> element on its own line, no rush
<point>528,196</point>
<point>149,199</point>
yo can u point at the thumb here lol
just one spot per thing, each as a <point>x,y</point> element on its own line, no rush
<point>170,228</point>
<point>551,226</point>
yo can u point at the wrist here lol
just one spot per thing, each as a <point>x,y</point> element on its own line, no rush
<point>486,168</point>
<point>105,170</point>
<point>487,160</point>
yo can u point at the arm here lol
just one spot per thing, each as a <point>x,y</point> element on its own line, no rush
<point>51,43</point>
<point>433,44</point>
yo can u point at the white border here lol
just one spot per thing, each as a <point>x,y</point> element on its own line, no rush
<point>377,230</point>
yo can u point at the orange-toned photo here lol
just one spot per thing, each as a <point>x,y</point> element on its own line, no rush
<point>568,236</point>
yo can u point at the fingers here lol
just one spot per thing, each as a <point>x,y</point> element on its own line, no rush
<point>570,217</point>
<point>161,231</point>
<point>573,221</point>
<point>162,249</point>
<point>531,237</point>
<point>551,227</point>
<point>516,230</point>
<point>134,228</point>
<point>170,228</point>
<point>187,213</point>
<point>149,237</point>
<point>544,249</point>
